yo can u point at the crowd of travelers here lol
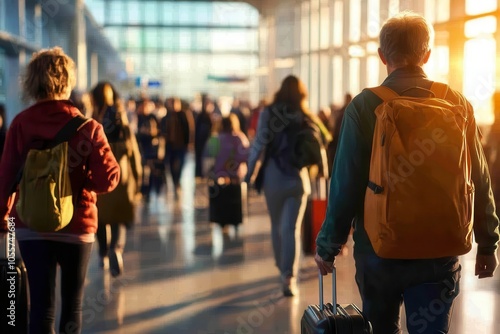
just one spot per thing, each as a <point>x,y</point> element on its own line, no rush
<point>123,150</point>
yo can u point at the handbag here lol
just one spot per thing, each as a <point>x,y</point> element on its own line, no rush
<point>259,179</point>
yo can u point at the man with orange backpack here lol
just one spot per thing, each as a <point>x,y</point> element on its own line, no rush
<point>411,176</point>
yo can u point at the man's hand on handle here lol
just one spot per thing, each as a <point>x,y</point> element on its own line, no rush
<point>325,267</point>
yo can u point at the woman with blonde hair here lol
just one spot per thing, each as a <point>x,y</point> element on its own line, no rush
<point>117,208</point>
<point>49,79</point>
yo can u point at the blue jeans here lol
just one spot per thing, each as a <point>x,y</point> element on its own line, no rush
<point>427,288</point>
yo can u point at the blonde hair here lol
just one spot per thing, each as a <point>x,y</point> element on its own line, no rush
<point>405,39</point>
<point>49,73</point>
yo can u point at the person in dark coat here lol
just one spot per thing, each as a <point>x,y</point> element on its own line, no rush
<point>148,137</point>
<point>177,128</point>
<point>116,209</point>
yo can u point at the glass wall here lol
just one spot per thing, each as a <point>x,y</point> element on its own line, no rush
<point>336,48</point>
<point>185,46</point>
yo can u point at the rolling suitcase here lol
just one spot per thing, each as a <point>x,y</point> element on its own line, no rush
<point>332,317</point>
<point>314,215</point>
<point>14,297</point>
<point>226,201</point>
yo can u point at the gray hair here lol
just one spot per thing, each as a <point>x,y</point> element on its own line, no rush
<point>405,39</point>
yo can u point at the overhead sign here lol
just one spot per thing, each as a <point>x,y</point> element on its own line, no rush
<point>145,82</point>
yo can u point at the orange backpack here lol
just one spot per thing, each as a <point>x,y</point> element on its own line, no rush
<point>420,197</point>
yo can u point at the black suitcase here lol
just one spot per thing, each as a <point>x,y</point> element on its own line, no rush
<point>14,296</point>
<point>332,317</point>
<point>226,202</point>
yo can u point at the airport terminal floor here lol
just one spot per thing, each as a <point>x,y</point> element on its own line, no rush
<point>182,275</point>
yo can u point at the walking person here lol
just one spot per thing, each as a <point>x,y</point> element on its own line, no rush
<point>150,145</point>
<point>177,128</point>
<point>428,274</point>
<point>228,149</point>
<point>49,79</point>
<point>286,187</point>
<point>117,208</point>
<point>202,131</point>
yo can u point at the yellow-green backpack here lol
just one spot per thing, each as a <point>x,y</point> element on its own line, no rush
<point>45,201</point>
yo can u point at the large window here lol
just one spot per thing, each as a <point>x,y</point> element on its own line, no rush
<point>324,25</point>
<point>175,33</point>
<point>338,23</point>
<point>437,10</point>
<point>305,26</point>
<point>338,82</point>
<point>115,12</point>
<point>474,7</point>
<point>479,76</point>
<point>354,20</point>
<point>373,17</point>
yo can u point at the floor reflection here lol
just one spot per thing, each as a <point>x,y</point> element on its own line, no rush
<point>185,275</point>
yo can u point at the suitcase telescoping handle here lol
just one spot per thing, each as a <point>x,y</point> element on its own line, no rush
<point>334,291</point>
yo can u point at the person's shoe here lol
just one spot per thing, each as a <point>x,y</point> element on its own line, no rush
<point>104,262</point>
<point>115,263</point>
<point>288,289</point>
<point>177,193</point>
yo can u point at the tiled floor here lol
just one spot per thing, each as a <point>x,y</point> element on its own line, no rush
<point>184,276</point>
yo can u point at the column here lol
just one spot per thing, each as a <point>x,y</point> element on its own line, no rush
<point>94,69</point>
<point>363,70</point>
<point>271,53</point>
<point>456,43</point>
<point>384,15</point>
<point>22,29</point>
<point>346,80</point>
<point>80,45</point>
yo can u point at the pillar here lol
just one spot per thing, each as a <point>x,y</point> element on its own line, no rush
<point>80,45</point>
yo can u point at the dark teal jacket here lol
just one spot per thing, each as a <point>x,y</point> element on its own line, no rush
<point>350,172</point>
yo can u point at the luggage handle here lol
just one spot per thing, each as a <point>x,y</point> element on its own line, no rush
<point>334,291</point>
<point>4,235</point>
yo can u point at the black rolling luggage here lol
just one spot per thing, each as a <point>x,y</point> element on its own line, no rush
<point>333,318</point>
<point>14,300</point>
<point>226,202</point>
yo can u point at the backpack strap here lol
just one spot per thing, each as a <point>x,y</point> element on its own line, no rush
<point>439,89</point>
<point>385,93</point>
<point>69,129</point>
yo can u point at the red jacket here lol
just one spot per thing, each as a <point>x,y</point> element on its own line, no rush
<point>89,148</point>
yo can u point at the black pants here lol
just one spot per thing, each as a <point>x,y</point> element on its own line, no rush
<point>41,258</point>
<point>176,159</point>
<point>113,238</point>
<point>153,178</point>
